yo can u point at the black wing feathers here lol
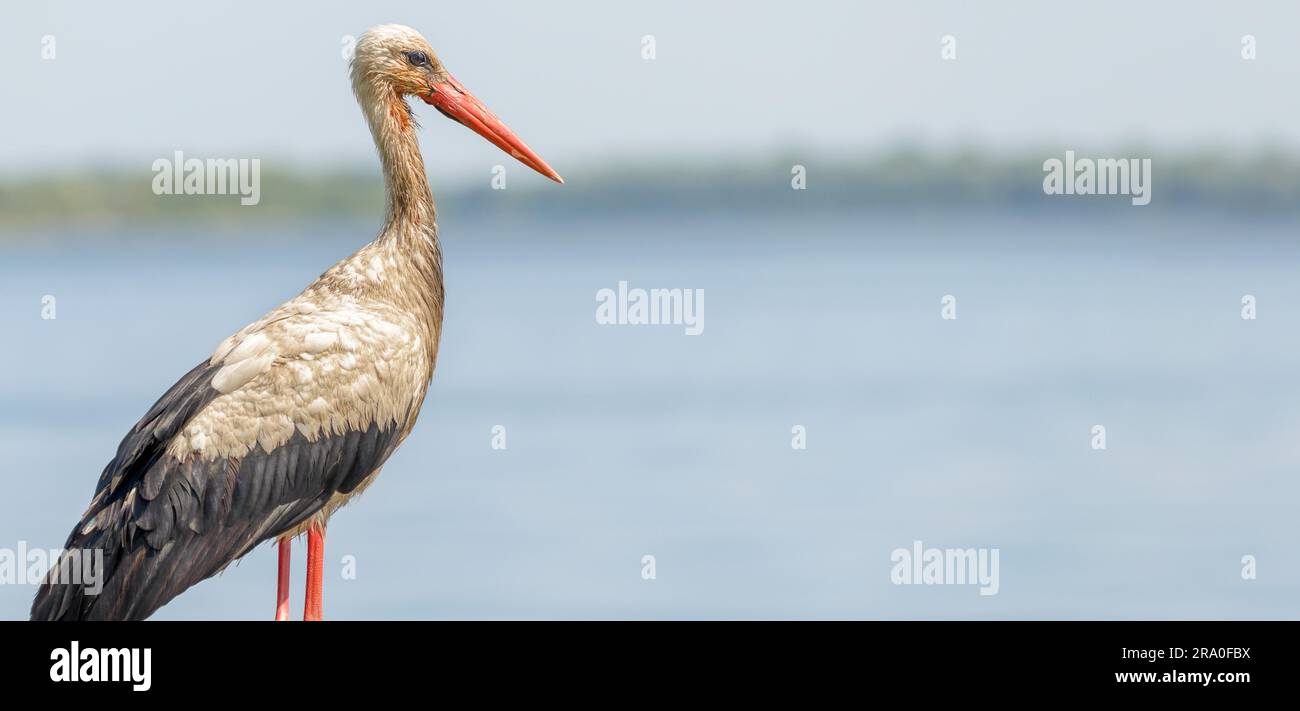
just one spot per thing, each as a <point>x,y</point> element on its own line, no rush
<point>189,520</point>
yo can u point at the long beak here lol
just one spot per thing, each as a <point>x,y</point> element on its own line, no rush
<point>455,102</point>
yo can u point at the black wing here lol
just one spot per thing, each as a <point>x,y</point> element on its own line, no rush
<point>162,525</point>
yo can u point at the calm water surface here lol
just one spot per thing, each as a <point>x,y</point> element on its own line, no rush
<point>632,441</point>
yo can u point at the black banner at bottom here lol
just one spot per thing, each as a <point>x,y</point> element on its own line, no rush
<point>205,660</point>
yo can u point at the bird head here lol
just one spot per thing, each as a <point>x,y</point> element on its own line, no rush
<point>397,59</point>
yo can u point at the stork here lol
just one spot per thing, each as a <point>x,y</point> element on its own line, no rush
<point>296,413</point>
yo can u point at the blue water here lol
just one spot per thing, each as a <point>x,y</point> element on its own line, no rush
<point>631,441</point>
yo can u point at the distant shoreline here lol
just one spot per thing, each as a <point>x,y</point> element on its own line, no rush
<point>1255,182</point>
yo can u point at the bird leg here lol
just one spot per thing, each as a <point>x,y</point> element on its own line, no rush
<point>282,585</point>
<point>313,608</point>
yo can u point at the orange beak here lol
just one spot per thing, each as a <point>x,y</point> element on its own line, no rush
<point>455,102</point>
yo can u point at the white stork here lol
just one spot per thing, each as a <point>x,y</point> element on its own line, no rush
<point>294,414</point>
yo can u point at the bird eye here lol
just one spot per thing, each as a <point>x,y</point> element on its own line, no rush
<point>419,59</point>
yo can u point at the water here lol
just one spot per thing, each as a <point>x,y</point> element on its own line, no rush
<point>632,441</point>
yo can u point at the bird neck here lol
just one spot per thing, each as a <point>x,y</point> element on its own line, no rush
<point>410,214</point>
<point>410,232</point>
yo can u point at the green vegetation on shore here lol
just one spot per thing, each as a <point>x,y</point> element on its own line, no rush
<point>1258,181</point>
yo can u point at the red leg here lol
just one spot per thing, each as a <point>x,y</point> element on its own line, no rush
<point>313,608</point>
<point>282,586</point>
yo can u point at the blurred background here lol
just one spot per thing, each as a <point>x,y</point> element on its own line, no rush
<point>924,179</point>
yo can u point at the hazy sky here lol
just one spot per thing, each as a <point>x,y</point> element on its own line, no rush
<point>133,82</point>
